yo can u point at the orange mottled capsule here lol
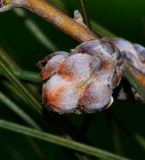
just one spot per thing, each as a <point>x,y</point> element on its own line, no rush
<point>82,80</point>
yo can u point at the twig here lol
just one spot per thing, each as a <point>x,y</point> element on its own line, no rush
<point>54,16</point>
<point>97,28</point>
<point>60,20</point>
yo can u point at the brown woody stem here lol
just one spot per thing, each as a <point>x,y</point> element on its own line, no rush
<point>58,19</point>
<point>54,16</point>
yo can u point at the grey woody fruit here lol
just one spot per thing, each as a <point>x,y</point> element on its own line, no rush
<point>82,80</point>
<point>132,53</point>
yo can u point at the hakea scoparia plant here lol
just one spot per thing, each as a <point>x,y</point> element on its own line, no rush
<point>84,79</point>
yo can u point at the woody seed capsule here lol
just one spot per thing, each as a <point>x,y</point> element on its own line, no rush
<point>82,80</point>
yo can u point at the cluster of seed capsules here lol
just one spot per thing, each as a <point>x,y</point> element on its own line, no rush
<point>84,79</point>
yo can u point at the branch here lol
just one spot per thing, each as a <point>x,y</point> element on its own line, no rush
<point>54,16</point>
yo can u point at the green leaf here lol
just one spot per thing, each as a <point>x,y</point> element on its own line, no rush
<point>35,30</point>
<point>11,105</point>
<point>60,141</point>
<point>29,98</point>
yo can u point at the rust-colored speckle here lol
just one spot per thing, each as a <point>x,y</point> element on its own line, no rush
<point>65,70</point>
<point>105,64</point>
<point>53,98</point>
<point>46,73</point>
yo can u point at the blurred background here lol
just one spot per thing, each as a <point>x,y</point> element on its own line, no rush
<point>124,18</point>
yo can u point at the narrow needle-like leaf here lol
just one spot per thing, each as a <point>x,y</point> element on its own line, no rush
<point>29,98</point>
<point>11,105</point>
<point>35,30</point>
<point>60,141</point>
<point>140,140</point>
<point>100,30</point>
<point>84,13</point>
<point>5,57</point>
<point>116,138</point>
<point>27,76</point>
<point>18,72</point>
